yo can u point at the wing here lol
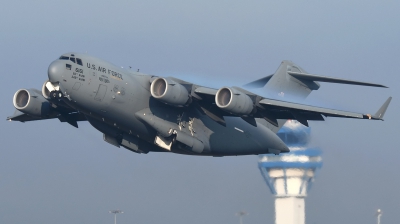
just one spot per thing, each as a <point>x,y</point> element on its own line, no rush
<point>22,117</point>
<point>63,114</point>
<point>37,107</point>
<point>272,110</point>
<point>303,113</point>
<point>235,101</point>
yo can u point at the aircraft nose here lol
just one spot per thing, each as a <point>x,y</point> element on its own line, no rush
<point>56,71</point>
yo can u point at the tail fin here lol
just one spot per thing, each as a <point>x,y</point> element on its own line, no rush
<point>293,81</point>
<point>283,84</point>
<point>290,80</point>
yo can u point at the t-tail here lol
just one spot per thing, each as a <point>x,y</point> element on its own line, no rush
<point>291,82</point>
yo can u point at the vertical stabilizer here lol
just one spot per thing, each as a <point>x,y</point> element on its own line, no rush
<point>293,83</point>
<point>282,85</point>
<point>285,85</point>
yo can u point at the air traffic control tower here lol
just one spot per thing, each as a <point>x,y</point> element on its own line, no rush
<point>289,175</point>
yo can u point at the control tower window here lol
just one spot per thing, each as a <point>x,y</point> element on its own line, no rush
<point>72,59</point>
<point>79,61</point>
<point>64,58</point>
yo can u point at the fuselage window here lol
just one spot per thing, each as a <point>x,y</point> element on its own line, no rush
<point>68,66</point>
<point>64,58</point>
<point>79,61</point>
<point>72,59</point>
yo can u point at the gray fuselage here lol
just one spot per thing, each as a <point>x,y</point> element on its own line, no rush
<point>113,99</point>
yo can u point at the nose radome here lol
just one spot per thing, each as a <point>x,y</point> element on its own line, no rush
<point>55,71</point>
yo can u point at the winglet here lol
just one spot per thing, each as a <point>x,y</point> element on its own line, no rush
<point>381,112</point>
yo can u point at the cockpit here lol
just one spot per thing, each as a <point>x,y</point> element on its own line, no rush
<point>72,58</point>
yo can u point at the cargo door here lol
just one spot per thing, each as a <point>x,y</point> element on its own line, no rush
<point>101,92</point>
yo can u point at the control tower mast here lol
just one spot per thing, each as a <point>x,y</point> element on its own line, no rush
<point>289,175</point>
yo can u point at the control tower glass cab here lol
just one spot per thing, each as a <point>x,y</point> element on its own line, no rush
<point>289,176</point>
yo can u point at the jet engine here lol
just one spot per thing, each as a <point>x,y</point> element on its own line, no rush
<point>49,87</point>
<point>31,102</point>
<point>233,101</point>
<point>169,92</point>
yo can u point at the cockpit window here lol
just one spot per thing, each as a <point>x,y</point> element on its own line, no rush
<point>74,60</point>
<point>79,61</point>
<point>68,66</point>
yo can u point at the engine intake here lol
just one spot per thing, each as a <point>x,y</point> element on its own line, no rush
<point>169,92</point>
<point>31,102</point>
<point>49,87</point>
<point>234,101</point>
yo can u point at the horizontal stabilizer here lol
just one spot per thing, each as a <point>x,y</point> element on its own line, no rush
<point>319,78</point>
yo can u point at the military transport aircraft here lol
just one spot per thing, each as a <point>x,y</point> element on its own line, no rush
<point>145,113</point>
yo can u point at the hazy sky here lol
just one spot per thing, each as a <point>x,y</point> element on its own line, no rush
<point>51,172</point>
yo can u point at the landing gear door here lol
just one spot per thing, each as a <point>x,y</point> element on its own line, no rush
<point>101,92</point>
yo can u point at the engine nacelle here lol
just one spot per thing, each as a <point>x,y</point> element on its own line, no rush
<point>234,101</point>
<point>169,92</point>
<point>47,88</point>
<point>31,102</point>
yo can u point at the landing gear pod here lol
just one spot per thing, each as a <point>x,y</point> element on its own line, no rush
<point>191,142</point>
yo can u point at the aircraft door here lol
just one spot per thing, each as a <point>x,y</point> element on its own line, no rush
<point>101,92</point>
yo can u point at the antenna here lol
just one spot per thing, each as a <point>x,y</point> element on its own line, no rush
<point>241,214</point>
<point>378,216</point>
<point>115,212</point>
